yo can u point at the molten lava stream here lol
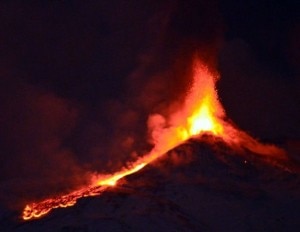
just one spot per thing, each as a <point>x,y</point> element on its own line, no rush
<point>201,113</point>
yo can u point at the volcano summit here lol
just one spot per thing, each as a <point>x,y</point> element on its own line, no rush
<point>201,185</point>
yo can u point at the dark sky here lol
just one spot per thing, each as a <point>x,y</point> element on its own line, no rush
<point>79,78</point>
<point>259,64</point>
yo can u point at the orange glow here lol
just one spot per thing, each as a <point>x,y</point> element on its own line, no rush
<point>203,121</point>
<point>202,108</point>
<point>112,181</point>
<point>201,113</point>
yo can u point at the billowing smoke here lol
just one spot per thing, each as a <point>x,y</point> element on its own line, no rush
<point>79,80</point>
<point>35,155</point>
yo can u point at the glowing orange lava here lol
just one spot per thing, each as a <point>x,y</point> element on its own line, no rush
<point>202,112</point>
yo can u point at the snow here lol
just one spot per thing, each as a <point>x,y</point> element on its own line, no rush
<point>195,187</point>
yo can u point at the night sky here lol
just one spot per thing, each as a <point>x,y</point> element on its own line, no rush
<point>79,79</point>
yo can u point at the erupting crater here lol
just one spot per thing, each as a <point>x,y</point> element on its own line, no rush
<point>200,114</point>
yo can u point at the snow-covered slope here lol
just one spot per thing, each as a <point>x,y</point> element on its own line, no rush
<point>198,186</point>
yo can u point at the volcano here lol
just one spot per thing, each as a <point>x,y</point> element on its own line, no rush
<point>201,168</point>
<point>201,185</point>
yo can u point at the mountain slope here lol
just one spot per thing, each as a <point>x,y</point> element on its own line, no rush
<point>199,186</point>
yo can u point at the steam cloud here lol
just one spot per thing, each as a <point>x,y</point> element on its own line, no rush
<point>79,81</point>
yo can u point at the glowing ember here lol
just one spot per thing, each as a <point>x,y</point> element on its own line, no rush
<point>201,113</point>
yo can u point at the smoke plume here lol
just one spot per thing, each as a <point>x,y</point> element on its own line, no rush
<point>79,80</point>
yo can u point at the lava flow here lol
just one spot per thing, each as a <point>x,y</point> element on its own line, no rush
<point>201,113</point>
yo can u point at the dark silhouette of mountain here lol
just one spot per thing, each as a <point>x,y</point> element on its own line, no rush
<point>202,185</point>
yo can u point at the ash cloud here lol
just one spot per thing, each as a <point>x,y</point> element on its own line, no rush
<point>79,80</point>
<point>164,72</point>
<point>159,82</point>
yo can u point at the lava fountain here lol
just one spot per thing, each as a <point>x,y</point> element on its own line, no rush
<point>201,113</point>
